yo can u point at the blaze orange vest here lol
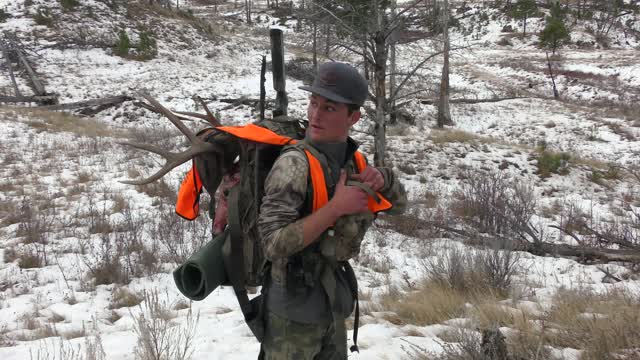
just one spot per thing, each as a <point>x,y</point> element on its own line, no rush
<point>189,194</point>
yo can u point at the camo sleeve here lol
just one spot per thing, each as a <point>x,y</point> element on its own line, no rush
<point>394,191</point>
<point>280,223</point>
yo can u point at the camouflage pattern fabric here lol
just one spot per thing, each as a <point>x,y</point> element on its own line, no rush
<point>289,340</point>
<point>280,222</point>
<point>280,226</point>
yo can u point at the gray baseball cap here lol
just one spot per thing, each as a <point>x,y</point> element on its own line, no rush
<point>339,82</point>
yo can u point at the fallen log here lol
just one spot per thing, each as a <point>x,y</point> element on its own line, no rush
<point>110,101</point>
<point>28,99</point>
<point>472,101</point>
<point>586,254</point>
<point>35,81</point>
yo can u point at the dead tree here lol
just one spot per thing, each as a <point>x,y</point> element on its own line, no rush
<point>277,62</point>
<point>444,113</point>
<point>370,30</point>
<point>12,48</point>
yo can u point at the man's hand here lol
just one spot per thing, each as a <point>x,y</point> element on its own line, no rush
<point>348,199</point>
<point>371,177</point>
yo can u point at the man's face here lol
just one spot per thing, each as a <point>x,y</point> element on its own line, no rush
<point>329,121</point>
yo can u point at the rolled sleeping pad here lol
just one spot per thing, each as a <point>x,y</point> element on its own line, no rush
<point>204,271</point>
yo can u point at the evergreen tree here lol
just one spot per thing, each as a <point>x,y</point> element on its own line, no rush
<point>148,48</point>
<point>554,34</point>
<point>523,10</point>
<point>123,44</point>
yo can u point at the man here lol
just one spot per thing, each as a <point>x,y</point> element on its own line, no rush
<point>309,290</point>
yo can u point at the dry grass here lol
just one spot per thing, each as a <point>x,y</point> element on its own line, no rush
<point>9,213</point>
<point>159,189</point>
<point>120,203</point>
<point>123,297</point>
<point>432,303</point>
<point>457,136</point>
<point>53,122</point>
<point>602,324</point>
<point>490,314</point>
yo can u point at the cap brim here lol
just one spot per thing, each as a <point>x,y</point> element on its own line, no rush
<point>326,94</point>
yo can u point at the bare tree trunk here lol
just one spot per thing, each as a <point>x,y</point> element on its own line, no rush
<point>553,81</point>
<point>365,61</point>
<point>327,40</point>
<point>392,64</point>
<point>444,113</point>
<point>315,45</point>
<point>380,74</point>
<point>277,61</point>
<point>248,5</point>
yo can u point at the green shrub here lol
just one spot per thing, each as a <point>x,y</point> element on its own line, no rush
<point>68,5</point>
<point>553,163</point>
<point>148,48</point>
<point>123,45</point>
<point>43,17</point>
<point>596,177</point>
<point>4,16</point>
<point>613,172</point>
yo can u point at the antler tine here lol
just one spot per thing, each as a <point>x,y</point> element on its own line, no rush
<point>210,117</point>
<point>196,115</point>
<point>151,148</point>
<point>170,115</point>
<point>173,159</point>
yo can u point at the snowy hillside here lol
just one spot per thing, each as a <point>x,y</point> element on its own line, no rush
<point>83,256</point>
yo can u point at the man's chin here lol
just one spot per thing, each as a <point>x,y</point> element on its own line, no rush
<point>316,135</point>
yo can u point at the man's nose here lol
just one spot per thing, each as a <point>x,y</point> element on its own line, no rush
<point>313,114</point>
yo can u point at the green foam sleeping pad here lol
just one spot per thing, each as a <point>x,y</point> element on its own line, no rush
<point>204,271</point>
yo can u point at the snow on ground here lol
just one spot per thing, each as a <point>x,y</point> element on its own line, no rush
<point>76,169</point>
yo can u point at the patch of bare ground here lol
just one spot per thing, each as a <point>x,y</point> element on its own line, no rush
<point>54,122</point>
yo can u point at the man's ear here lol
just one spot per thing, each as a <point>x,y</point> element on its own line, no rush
<point>354,118</point>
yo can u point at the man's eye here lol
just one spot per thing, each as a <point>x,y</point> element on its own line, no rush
<point>331,108</point>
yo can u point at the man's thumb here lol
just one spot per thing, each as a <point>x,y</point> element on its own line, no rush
<point>343,177</point>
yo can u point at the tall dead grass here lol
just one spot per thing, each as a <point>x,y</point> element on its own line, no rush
<point>58,121</point>
<point>605,325</point>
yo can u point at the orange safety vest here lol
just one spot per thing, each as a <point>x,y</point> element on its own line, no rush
<point>189,193</point>
<point>188,204</point>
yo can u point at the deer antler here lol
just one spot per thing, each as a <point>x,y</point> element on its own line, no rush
<point>173,159</point>
<point>209,117</point>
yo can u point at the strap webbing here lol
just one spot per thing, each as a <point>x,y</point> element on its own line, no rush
<point>236,263</point>
<point>364,188</point>
<point>353,282</point>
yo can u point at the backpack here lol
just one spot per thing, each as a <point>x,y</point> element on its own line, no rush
<point>234,257</point>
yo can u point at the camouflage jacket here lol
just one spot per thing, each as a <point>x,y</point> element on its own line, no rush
<point>284,207</point>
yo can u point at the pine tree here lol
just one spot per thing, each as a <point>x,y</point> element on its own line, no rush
<point>524,9</point>
<point>554,34</point>
<point>123,44</point>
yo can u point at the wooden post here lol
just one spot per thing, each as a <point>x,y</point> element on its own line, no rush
<point>553,81</point>
<point>277,65</point>
<point>263,92</point>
